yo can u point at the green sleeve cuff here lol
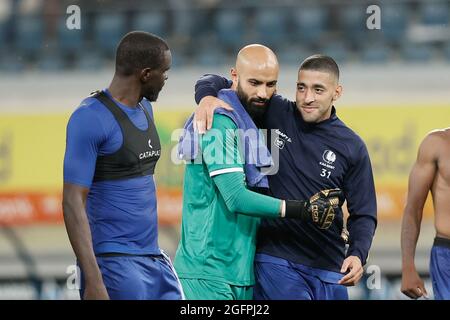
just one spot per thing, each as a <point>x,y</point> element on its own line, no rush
<point>241,200</point>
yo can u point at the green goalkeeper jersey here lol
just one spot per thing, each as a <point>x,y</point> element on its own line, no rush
<point>218,243</point>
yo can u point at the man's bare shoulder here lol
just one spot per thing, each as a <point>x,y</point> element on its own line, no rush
<point>438,136</point>
<point>436,144</point>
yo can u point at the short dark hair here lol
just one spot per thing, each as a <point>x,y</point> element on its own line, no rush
<point>139,50</point>
<point>320,62</point>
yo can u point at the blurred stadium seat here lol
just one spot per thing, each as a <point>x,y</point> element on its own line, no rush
<point>394,19</point>
<point>199,22</point>
<point>435,13</point>
<point>292,54</point>
<point>29,33</point>
<point>154,22</point>
<point>271,26</point>
<point>413,52</point>
<point>447,51</point>
<point>230,26</point>
<point>108,30</point>
<point>309,24</point>
<point>211,56</point>
<point>11,62</point>
<point>50,61</point>
<point>69,40</point>
<point>3,31</point>
<point>375,53</point>
<point>352,23</point>
<point>179,59</point>
<point>336,49</point>
<point>89,61</point>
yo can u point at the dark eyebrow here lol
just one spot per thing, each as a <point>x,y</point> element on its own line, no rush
<point>315,86</point>
<point>254,80</point>
<point>319,86</point>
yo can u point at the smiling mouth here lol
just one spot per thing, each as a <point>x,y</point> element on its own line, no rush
<point>309,109</point>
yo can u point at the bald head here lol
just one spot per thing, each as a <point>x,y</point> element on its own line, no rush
<point>255,79</point>
<point>257,57</point>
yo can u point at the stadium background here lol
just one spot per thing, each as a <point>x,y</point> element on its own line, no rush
<point>396,89</point>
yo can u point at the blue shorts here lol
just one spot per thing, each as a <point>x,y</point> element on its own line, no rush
<point>279,279</point>
<point>440,268</point>
<point>131,277</point>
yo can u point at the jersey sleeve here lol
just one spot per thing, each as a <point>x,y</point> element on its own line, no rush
<point>220,147</point>
<point>83,137</point>
<point>359,189</point>
<point>240,200</point>
<point>210,85</point>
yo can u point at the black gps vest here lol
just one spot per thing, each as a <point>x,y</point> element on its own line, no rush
<point>139,152</point>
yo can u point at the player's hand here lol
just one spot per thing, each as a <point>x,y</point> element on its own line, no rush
<point>95,292</point>
<point>352,263</point>
<point>203,116</point>
<point>320,207</point>
<point>412,285</point>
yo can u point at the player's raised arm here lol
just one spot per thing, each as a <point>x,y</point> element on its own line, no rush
<point>420,181</point>
<point>210,85</point>
<point>206,90</point>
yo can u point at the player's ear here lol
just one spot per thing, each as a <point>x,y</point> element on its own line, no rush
<point>337,93</point>
<point>234,75</point>
<point>145,74</point>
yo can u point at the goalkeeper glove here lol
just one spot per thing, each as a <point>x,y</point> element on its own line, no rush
<point>318,209</point>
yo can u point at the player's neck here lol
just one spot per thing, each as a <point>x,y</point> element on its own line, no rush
<point>123,90</point>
